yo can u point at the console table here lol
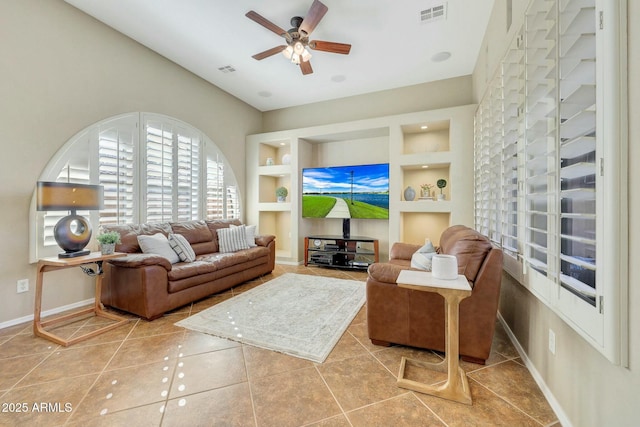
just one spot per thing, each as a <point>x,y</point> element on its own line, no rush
<point>356,252</point>
<point>453,291</point>
<point>54,264</point>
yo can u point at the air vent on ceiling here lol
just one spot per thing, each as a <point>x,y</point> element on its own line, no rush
<point>434,13</point>
<point>227,69</point>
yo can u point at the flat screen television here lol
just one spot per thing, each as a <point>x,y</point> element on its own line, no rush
<point>358,192</point>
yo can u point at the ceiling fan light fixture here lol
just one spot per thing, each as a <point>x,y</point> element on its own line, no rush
<point>288,52</point>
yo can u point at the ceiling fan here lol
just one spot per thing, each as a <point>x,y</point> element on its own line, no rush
<point>297,38</point>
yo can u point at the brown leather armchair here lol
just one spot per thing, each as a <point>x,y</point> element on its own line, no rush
<point>414,318</point>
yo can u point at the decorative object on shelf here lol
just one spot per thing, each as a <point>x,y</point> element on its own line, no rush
<point>281,194</point>
<point>444,267</point>
<point>441,183</point>
<point>108,241</point>
<point>269,161</point>
<point>73,232</point>
<point>286,159</point>
<point>409,194</point>
<point>426,190</point>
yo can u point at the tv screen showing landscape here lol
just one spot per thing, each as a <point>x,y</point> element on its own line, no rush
<point>360,191</point>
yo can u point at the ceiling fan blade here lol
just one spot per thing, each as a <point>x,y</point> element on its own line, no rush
<point>269,52</point>
<point>315,14</point>
<point>254,16</point>
<point>305,67</point>
<point>332,47</point>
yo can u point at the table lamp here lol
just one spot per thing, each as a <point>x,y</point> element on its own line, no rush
<point>72,233</point>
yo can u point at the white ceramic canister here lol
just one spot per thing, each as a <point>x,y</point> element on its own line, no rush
<point>444,267</point>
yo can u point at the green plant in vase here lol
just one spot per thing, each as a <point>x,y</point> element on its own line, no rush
<point>108,241</point>
<point>281,194</point>
<point>441,183</point>
<point>426,190</point>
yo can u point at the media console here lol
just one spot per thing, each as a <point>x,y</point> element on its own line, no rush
<point>355,252</point>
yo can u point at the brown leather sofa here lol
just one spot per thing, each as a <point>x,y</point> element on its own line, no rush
<point>415,318</point>
<point>149,285</point>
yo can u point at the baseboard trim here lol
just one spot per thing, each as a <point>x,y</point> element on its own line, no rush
<point>46,313</point>
<point>555,405</point>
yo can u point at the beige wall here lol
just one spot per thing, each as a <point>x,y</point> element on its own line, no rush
<point>428,96</point>
<point>591,390</point>
<point>60,71</point>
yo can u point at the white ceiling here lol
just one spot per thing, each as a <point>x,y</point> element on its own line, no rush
<point>391,47</point>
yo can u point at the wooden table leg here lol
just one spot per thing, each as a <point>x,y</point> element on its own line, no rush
<point>96,309</point>
<point>457,385</point>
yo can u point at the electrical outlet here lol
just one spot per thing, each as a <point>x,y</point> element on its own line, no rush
<point>552,341</point>
<point>22,286</point>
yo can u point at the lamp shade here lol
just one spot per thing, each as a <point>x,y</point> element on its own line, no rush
<point>64,196</point>
<point>72,233</point>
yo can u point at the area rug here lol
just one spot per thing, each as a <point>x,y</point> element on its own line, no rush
<point>295,314</point>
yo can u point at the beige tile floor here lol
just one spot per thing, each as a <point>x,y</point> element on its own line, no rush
<point>157,374</point>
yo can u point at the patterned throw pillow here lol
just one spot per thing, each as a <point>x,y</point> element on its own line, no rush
<point>182,247</point>
<point>251,234</point>
<point>232,239</point>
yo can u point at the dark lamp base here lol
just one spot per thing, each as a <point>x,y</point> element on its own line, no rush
<point>73,254</point>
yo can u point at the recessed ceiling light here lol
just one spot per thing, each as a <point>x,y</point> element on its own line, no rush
<point>423,127</point>
<point>283,143</point>
<point>425,166</point>
<point>441,56</point>
<point>264,94</point>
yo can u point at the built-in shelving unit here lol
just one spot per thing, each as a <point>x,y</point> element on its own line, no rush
<point>416,155</point>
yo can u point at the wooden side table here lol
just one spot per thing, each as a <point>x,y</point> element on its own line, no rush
<point>453,291</point>
<point>54,264</point>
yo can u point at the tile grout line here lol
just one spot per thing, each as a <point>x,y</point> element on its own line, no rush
<point>103,370</point>
<point>315,366</point>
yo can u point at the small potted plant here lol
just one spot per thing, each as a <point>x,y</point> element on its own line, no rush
<point>108,241</point>
<point>426,190</point>
<point>281,194</point>
<point>441,184</point>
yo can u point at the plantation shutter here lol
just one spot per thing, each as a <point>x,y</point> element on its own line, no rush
<point>159,160</point>
<point>188,177</point>
<point>577,63</point>
<point>116,171</point>
<point>513,99</point>
<point>215,188</point>
<point>540,138</point>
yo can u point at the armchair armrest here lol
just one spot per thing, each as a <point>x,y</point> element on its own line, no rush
<point>403,250</point>
<point>264,240</point>
<point>139,260</point>
<point>385,272</point>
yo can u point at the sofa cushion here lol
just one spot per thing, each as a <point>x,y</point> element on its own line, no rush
<point>181,246</point>
<point>158,244</point>
<point>194,231</point>
<point>198,234</point>
<point>232,239</point>
<point>129,234</point>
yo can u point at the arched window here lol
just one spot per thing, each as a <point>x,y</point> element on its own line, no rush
<point>153,168</point>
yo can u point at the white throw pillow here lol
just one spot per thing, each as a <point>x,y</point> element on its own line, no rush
<point>251,234</point>
<point>181,246</point>
<point>232,239</point>
<point>421,259</point>
<point>158,244</point>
